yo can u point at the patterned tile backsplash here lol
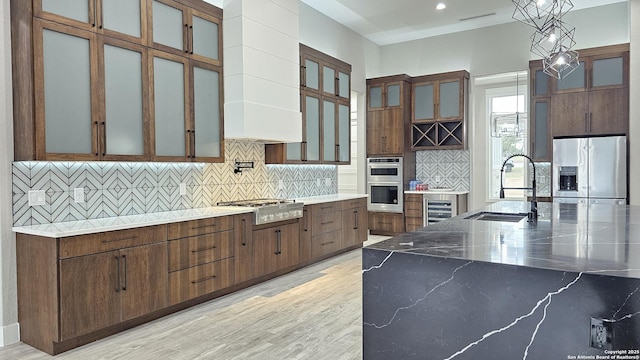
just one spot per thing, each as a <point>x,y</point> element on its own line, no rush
<point>450,167</point>
<point>123,188</point>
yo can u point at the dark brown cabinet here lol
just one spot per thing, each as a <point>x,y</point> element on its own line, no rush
<point>275,248</point>
<point>305,233</point>
<point>540,129</point>
<point>325,95</point>
<point>388,116</point>
<point>384,223</point>
<point>439,111</point>
<point>93,71</point>
<point>355,222</point>
<point>413,212</point>
<point>243,247</point>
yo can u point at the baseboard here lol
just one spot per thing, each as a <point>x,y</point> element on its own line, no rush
<point>9,334</point>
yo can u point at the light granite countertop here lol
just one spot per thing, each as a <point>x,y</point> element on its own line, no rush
<point>83,227</point>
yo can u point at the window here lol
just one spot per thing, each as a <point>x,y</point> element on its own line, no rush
<point>507,136</point>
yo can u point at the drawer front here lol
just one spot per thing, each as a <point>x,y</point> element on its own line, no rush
<point>413,223</point>
<point>111,240</point>
<point>414,213</point>
<point>324,223</point>
<point>327,207</point>
<point>199,227</point>
<point>413,205</point>
<point>325,244</point>
<point>413,198</point>
<point>386,223</point>
<point>197,250</point>
<point>355,203</point>
<point>200,280</point>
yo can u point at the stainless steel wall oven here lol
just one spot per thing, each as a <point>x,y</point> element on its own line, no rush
<point>385,184</point>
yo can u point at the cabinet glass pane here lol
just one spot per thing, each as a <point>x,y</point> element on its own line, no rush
<point>329,131</point>
<point>449,104</point>
<point>73,9</point>
<point>575,80</point>
<point>540,150</point>
<point>169,99</point>
<point>205,38</point>
<point>206,103</point>
<point>312,122</point>
<point>344,125</point>
<point>329,80</point>
<point>393,95</point>
<point>343,81</point>
<point>167,25</point>
<point>607,72</point>
<point>424,102</point>
<point>67,93</point>
<point>294,151</point>
<point>122,16</point>
<point>123,100</point>
<point>375,97</point>
<point>542,80</point>
<point>312,73</point>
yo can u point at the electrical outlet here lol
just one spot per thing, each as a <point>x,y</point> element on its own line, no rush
<point>281,184</point>
<point>78,195</point>
<point>318,183</point>
<point>437,178</point>
<point>601,334</point>
<point>327,182</point>
<point>183,189</point>
<point>37,198</point>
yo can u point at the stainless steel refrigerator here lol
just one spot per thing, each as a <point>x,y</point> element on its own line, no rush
<point>592,170</point>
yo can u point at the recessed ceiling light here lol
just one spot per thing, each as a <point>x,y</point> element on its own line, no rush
<point>440,6</point>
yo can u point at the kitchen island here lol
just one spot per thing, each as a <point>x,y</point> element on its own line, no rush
<point>563,287</point>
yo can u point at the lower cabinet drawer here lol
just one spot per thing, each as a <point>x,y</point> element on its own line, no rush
<point>325,244</point>
<point>200,280</point>
<point>201,249</point>
<point>326,223</point>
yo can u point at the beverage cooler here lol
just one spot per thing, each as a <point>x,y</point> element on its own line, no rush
<point>440,207</point>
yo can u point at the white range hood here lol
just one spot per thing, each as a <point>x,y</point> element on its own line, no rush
<point>262,71</point>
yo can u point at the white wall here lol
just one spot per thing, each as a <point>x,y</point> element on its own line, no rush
<point>500,49</point>
<point>8,300</point>
<point>634,93</point>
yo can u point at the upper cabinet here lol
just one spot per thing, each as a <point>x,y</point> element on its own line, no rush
<point>439,111</point>
<point>386,95</point>
<point>325,88</point>
<point>185,31</point>
<point>388,115</point>
<point>95,79</point>
<point>124,19</point>
<point>592,100</point>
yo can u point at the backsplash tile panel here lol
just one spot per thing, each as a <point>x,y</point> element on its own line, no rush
<point>452,167</point>
<point>120,188</point>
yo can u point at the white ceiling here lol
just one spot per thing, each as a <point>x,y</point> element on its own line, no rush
<point>392,21</point>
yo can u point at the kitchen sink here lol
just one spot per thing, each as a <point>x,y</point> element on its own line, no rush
<point>497,216</point>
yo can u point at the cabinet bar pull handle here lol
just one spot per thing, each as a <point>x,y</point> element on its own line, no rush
<point>244,232</point>
<point>306,220</point>
<point>193,143</point>
<point>116,240</point>
<point>203,279</point>
<point>326,243</point>
<point>303,76</point>
<point>118,284</point>
<point>97,132</point>
<point>186,31</point>
<point>191,44</point>
<point>326,223</point>
<point>205,249</point>
<point>279,243</point>
<point>590,121</point>
<point>326,207</point>
<point>355,216</point>
<point>202,226</point>
<point>383,223</point>
<point>101,18</point>
<point>104,139</point>
<point>124,257</point>
<point>586,121</point>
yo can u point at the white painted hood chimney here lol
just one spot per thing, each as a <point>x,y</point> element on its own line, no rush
<point>262,70</point>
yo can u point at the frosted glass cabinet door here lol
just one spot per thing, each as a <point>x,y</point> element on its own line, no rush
<point>169,101</point>
<point>329,131</point>
<point>608,72</point>
<point>449,96</point>
<point>575,80</point>
<point>123,85</point>
<point>328,80</point>
<point>122,16</point>
<point>79,10</point>
<point>423,102</point>
<point>205,37</point>
<point>168,25</point>
<point>540,148</point>
<point>66,73</point>
<point>344,138</point>
<point>311,74</point>
<point>206,103</point>
<point>375,97</point>
<point>312,122</point>
<point>344,86</point>
<point>393,95</point>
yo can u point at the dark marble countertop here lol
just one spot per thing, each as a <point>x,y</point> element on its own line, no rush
<point>591,238</point>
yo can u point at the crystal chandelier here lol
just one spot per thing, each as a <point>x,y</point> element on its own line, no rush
<point>553,38</point>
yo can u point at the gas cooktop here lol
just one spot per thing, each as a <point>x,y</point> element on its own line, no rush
<point>269,210</point>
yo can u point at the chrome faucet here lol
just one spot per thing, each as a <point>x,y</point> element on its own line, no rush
<point>532,216</point>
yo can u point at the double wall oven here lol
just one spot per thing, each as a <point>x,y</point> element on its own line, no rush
<point>385,184</point>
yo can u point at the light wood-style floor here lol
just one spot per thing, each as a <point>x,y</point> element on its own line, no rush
<point>313,313</point>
